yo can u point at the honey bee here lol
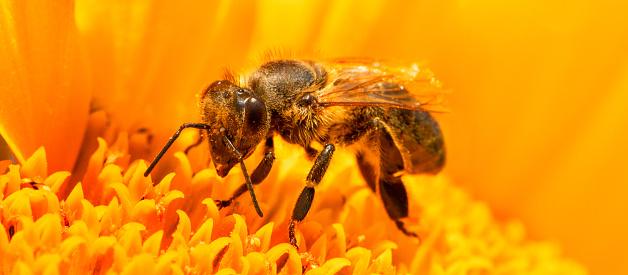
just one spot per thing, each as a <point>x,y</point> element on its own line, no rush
<point>380,111</point>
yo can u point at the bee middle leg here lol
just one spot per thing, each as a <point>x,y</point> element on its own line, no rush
<point>259,174</point>
<point>304,202</point>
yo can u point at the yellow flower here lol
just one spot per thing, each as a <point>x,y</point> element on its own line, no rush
<point>101,85</point>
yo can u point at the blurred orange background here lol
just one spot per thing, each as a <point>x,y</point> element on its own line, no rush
<point>539,89</point>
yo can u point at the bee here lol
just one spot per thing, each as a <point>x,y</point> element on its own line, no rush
<point>382,112</point>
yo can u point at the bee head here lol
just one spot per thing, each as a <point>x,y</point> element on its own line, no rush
<point>234,112</point>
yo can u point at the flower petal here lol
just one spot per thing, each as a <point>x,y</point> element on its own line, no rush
<point>41,57</point>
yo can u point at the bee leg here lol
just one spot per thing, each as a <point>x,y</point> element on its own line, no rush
<point>247,178</point>
<point>395,199</point>
<point>368,169</point>
<point>259,174</point>
<point>304,202</point>
<point>391,188</point>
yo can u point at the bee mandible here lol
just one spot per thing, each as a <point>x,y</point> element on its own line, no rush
<point>379,111</point>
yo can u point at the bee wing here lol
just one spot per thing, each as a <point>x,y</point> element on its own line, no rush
<point>364,82</point>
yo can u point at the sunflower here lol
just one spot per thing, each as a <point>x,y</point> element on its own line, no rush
<point>92,89</point>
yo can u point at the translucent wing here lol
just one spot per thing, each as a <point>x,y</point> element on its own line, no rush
<point>365,82</point>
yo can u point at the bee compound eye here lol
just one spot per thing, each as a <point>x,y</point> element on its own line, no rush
<point>255,115</point>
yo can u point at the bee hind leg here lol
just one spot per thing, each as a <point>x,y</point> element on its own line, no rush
<point>391,188</point>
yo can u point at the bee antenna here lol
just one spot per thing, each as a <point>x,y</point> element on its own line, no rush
<point>247,178</point>
<point>171,141</point>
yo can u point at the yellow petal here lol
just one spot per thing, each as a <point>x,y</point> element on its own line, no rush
<point>55,180</point>
<point>152,244</point>
<point>183,227</point>
<point>212,211</point>
<point>255,263</point>
<point>285,259</point>
<point>263,235</point>
<point>203,234</point>
<point>90,218</point>
<point>49,228</point>
<point>93,170</point>
<point>11,180</point>
<point>337,246</point>
<point>382,264</point>
<point>183,172</point>
<point>333,266</point>
<point>122,193</point>
<point>47,264</point>
<point>145,212</point>
<point>319,249</point>
<point>73,207</point>
<point>140,264</point>
<point>360,258</point>
<point>35,166</point>
<point>74,254</point>
<point>131,239</point>
<point>110,174</point>
<point>138,184</point>
<point>21,268</point>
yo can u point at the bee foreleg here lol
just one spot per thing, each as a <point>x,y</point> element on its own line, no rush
<point>304,202</point>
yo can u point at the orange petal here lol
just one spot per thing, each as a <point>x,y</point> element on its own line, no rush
<point>49,92</point>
